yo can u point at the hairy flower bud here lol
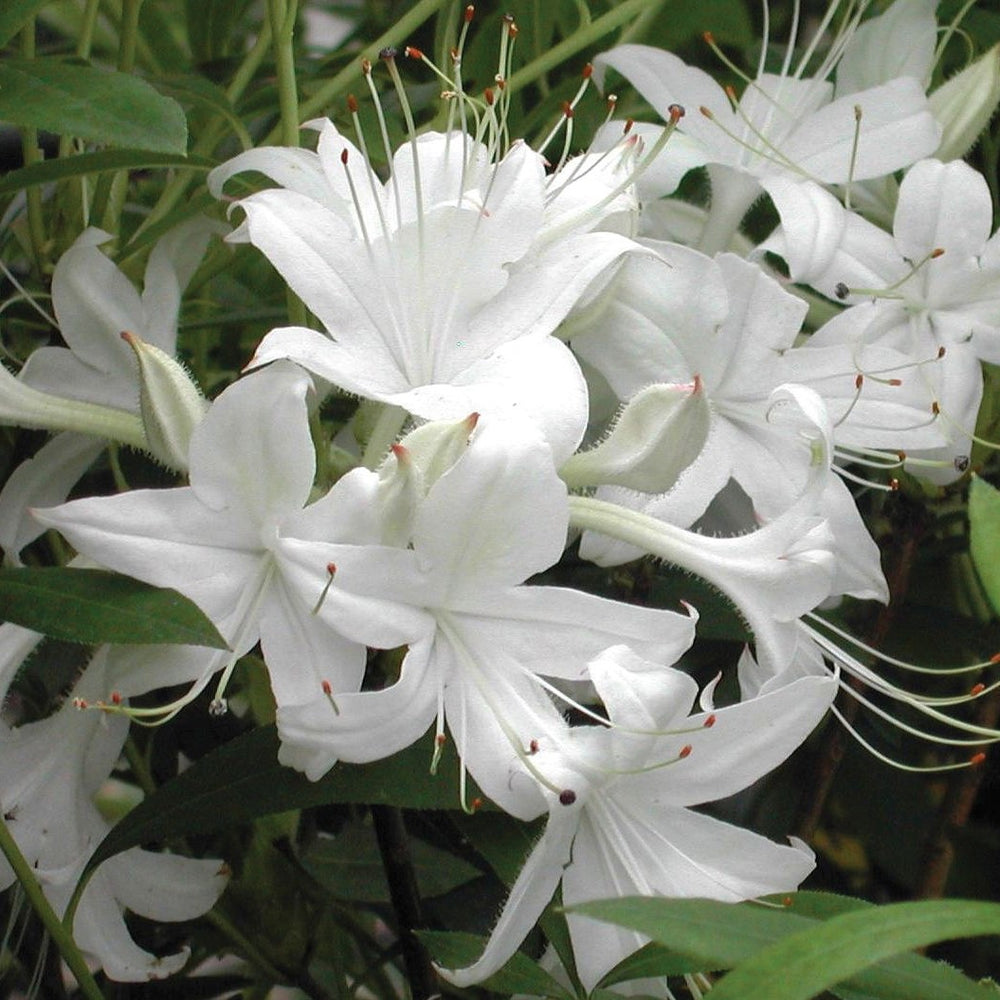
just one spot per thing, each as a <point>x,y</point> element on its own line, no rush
<point>965,103</point>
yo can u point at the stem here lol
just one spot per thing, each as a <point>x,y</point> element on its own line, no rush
<point>63,939</point>
<point>89,22</point>
<point>30,153</point>
<point>128,37</point>
<point>394,847</point>
<point>281,14</point>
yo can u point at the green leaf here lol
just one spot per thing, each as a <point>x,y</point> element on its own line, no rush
<point>13,14</point>
<point>243,780</point>
<point>806,963</point>
<point>93,606</point>
<point>708,936</point>
<point>984,537</point>
<point>93,104</point>
<point>349,866</point>
<point>520,975</point>
<point>105,161</point>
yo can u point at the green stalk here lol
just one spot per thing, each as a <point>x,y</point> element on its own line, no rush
<point>281,14</point>
<point>128,37</point>
<point>63,939</point>
<point>32,154</point>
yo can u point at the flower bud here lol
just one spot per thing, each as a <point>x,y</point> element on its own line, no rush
<point>964,104</point>
<point>170,403</point>
<point>656,437</point>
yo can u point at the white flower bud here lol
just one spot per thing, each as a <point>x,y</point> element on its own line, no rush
<point>170,403</point>
<point>964,104</point>
<point>657,436</point>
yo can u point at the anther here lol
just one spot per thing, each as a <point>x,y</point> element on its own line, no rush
<point>961,463</point>
<point>116,697</point>
<point>629,125</point>
<point>708,38</point>
<point>567,797</point>
<point>366,67</point>
<point>352,104</point>
<point>976,759</point>
<point>937,252</point>
<point>218,707</point>
<point>859,381</point>
<point>894,381</point>
<point>708,114</point>
<point>343,156</point>
<point>476,804</point>
<point>567,109</point>
<point>709,722</point>
<point>841,290</point>
<point>388,53</point>
<point>995,658</point>
<point>685,751</point>
<point>893,485</point>
<point>936,408</point>
<point>469,13</point>
<point>588,71</point>
<point>942,350</point>
<point>976,689</point>
<point>80,704</point>
<point>675,112</point>
<point>533,747</point>
<point>412,53</point>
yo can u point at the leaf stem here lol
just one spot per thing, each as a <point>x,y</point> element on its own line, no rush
<point>62,937</point>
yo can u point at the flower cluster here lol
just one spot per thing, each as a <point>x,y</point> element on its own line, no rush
<point>547,353</point>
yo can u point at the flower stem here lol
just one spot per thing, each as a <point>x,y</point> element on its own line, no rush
<point>32,154</point>
<point>63,939</point>
<point>393,845</point>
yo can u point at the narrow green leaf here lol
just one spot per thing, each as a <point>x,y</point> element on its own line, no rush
<point>520,975</point>
<point>14,13</point>
<point>105,161</point>
<point>695,934</point>
<point>243,780</point>
<point>93,606</point>
<point>806,963</point>
<point>984,537</point>
<point>350,866</point>
<point>93,104</point>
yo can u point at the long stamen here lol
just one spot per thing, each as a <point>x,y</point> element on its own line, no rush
<point>842,291</point>
<point>366,68</point>
<point>854,156</point>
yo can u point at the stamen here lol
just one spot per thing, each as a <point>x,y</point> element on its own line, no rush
<point>567,797</point>
<point>388,56</point>
<point>328,694</point>
<point>439,743</point>
<point>842,291</point>
<point>854,157</point>
<point>331,571</point>
<point>366,69</point>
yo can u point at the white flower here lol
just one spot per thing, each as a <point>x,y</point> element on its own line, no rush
<point>620,821</point>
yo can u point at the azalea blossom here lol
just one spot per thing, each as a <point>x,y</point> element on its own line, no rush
<point>50,771</point>
<point>620,821</point>
<point>475,528</point>
<point>439,288</point>
<point>787,126</point>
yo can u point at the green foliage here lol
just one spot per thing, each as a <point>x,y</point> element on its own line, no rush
<point>103,106</point>
<point>93,606</point>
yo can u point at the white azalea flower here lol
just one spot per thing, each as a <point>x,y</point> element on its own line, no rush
<point>786,127</point>
<point>50,772</point>
<point>620,821</point>
<point>484,525</point>
<point>439,288</point>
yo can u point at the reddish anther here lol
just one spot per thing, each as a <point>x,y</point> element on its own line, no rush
<point>995,658</point>
<point>567,797</point>
<point>708,114</point>
<point>343,156</point>
<point>977,758</point>
<point>533,747</point>
<point>859,381</point>
<point>709,722</point>
<point>567,109</point>
<point>327,688</point>
<point>942,351</point>
<point>440,739</point>
<point>476,804</point>
<point>513,30</point>
<point>629,125</point>
<point>412,52</point>
<point>80,703</point>
<point>488,95</point>
<point>685,751</point>
<point>731,92</point>
<point>116,697</point>
<point>366,66</point>
<point>676,113</point>
<point>935,408</point>
<point>895,381</point>
<point>469,13</point>
<point>331,569</point>
<point>708,37</point>
<point>936,252</point>
<point>588,71</point>
<point>352,104</point>
<point>977,689</point>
